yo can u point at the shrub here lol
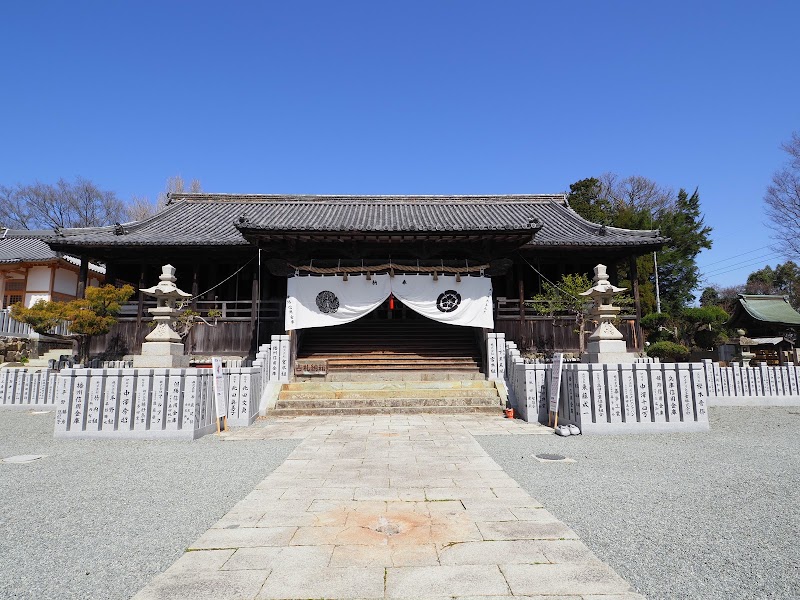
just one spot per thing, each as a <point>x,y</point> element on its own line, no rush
<point>668,351</point>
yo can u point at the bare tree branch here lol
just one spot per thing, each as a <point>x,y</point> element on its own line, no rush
<point>783,200</point>
<point>66,204</point>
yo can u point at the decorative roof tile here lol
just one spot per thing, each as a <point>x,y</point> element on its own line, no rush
<point>220,219</point>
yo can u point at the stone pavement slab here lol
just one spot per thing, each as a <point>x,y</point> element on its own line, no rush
<point>393,507</point>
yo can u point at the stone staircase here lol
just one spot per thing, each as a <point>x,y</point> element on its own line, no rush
<point>43,360</point>
<point>393,345</point>
<point>439,395</point>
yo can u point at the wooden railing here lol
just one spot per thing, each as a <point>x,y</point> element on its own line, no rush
<point>228,310</point>
<point>508,309</point>
<point>528,328</point>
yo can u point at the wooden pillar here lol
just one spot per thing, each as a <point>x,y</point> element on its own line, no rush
<point>254,296</point>
<point>3,289</point>
<point>140,306</point>
<point>111,274</point>
<point>195,285</point>
<point>83,276</point>
<point>212,278</point>
<point>510,282</point>
<point>634,269</point>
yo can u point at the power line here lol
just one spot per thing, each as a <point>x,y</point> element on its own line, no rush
<point>749,261</point>
<point>735,268</point>
<point>735,256</point>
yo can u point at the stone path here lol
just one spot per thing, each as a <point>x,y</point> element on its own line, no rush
<point>400,506</point>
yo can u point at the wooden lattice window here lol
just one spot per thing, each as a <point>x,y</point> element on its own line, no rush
<point>13,285</point>
<point>10,299</point>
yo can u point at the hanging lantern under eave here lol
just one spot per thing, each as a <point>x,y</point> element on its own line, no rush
<point>391,302</point>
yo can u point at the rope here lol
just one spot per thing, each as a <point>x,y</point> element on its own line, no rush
<point>184,302</point>
<point>548,281</point>
<point>386,267</point>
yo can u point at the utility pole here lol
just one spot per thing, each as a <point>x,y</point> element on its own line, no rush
<point>658,292</point>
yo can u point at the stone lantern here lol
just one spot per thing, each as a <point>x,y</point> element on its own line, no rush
<point>163,347</point>
<point>606,344</point>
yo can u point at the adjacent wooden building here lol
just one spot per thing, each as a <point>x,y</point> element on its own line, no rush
<point>31,271</point>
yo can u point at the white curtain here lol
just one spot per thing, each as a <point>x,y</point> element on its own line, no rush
<point>467,302</point>
<point>325,301</point>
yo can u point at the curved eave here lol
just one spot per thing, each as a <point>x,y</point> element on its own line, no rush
<point>760,318</point>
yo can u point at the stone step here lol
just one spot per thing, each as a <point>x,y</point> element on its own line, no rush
<point>367,367</point>
<point>44,359</point>
<point>470,384</point>
<point>416,352</point>
<point>388,402</point>
<point>383,410</point>
<point>373,393</point>
<point>394,375</point>
<point>393,363</point>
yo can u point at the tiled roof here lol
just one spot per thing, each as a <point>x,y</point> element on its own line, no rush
<point>15,249</point>
<point>770,309</point>
<point>219,219</point>
<point>26,246</point>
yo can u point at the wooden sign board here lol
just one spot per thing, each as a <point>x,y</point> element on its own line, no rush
<point>311,367</point>
<point>218,382</point>
<point>555,384</point>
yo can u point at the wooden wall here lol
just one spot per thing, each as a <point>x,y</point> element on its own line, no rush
<point>559,334</point>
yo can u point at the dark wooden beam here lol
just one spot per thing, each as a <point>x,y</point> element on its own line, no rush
<point>140,305</point>
<point>83,276</point>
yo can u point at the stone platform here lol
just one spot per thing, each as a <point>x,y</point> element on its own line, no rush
<point>405,506</point>
<point>388,397</point>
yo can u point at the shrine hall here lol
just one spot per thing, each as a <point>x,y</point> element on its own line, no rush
<point>365,283</point>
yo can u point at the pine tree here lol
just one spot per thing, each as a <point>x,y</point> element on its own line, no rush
<point>678,273</point>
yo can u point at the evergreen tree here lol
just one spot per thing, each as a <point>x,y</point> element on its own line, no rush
<point>678,273</point>
<point>586,198</point>
<point>784,280</point>
<point>638,203</point>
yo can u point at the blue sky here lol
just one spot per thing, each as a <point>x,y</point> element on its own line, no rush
<point>408,98</point>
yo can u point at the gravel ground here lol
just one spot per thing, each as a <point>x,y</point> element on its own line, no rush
<point>99,519</point>
<point>697,515</point>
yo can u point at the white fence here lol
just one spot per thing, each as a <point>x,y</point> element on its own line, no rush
<point>27,388</point>
<point>752,386</point>
<point>151,403</point>
<point>612,398</point>
<point>617,398</point>
<point>642,397</point>
<point>10,327</point>
<point>275,359</point>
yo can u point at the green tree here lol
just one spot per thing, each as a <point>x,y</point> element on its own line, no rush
<point>668,351</point>
<point>87,317</point>
<point>704,326</point>
<point>563,298</point>
<point>639,203</point>
<point>783,280</point>
<point>710,297</point>
<point>586,198</point>
<point>678,273</point>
